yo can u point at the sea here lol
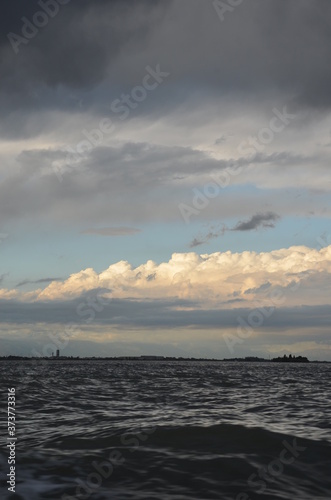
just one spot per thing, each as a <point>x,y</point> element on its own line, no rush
<point>167,430</point>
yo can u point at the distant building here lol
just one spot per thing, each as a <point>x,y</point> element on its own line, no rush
<point>57,353</point>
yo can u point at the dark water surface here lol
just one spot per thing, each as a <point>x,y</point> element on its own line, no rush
<point>169,430</point>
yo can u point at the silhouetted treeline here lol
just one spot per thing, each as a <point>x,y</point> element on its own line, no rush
<point>291,359</point>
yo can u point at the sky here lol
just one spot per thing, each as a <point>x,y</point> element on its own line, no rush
<point>164,178</point>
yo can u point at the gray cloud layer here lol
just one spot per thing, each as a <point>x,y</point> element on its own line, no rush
<point>151,314</point>
<point>120,177</point>
<point>93,52</point>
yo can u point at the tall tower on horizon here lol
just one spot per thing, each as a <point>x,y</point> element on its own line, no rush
<point>57,353</point>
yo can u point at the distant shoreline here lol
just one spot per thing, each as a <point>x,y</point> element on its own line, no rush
<point>160,358</point>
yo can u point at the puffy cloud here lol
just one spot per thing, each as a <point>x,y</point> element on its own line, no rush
<point>200,299</point>
<point>8,294</point>
<point>217,277</point>
<point>75,285</point>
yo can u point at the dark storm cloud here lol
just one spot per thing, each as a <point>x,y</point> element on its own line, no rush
<point>93,47</point>
<point>74,50</point>
<point>257,221</point>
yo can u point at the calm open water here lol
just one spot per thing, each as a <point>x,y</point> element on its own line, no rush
<point>168,430</point>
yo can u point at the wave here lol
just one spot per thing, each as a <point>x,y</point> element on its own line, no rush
<point>230,462</point>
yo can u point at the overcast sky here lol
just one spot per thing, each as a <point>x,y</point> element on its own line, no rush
<point>164,177</point>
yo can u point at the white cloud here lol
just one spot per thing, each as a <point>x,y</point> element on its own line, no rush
<point>223,278</point>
